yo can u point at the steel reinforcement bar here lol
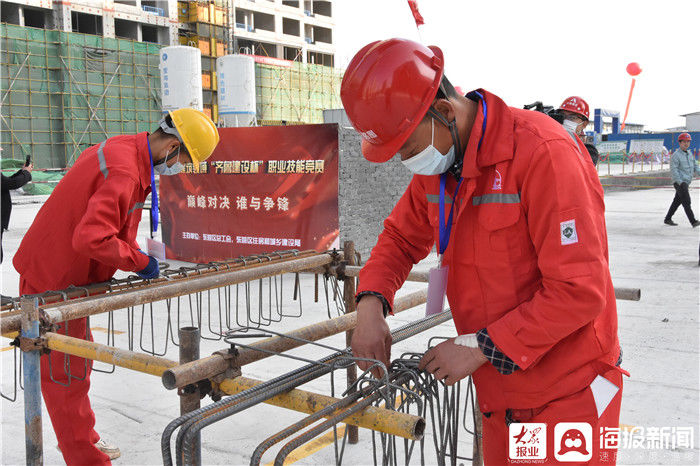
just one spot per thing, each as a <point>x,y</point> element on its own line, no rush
<point>266,391</point>
<point>215,364</point>
<point>84,307</point>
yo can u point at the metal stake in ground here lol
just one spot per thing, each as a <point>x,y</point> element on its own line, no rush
<point>32,382</point>
<point>189,395</point>
<point>349,295</point>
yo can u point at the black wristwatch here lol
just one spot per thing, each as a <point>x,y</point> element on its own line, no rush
<point>385,304</point>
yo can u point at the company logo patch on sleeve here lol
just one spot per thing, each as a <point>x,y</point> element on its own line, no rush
<point>568,232</point>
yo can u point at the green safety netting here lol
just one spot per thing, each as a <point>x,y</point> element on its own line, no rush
<point>298,93</point>
<point>63,92</point>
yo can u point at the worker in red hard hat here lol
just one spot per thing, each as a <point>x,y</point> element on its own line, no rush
<point>575,115</point>
<point>683,168</point>
<point>516,212</point>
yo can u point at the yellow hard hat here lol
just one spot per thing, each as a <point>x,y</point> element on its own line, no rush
<point>195,130</point>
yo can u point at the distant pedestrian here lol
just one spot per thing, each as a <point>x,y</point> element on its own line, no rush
<point>15,181</point>
<point>683,167</point>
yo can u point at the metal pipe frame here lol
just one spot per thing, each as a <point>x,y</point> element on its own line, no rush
<point>78,308</point>
<point>626,294</point>
<point>478,445</point>
<point>133,281</point>
<point>139,362</point>
<point>267,390</point>
<point>349,270</point>
<point>298,400</point>
<point>226,408</point>
<point>352,270</point>
<point>375,418</point>
<point>344,416</point>
<point>216,364</point>
<point>189,398</point>
<point>158,366</point>
<point>405,425</point>
<point>34,444</point>
<point>349,292</point>
<point>307,421</point>
<point>382,420</point>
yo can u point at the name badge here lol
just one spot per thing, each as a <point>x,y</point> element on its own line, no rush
<point>437,288</point>
<point>155,249</point>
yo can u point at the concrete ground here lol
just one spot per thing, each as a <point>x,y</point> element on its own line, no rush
<point>659,335</point>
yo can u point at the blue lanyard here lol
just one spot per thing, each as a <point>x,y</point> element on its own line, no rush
<point>446,228</point>
<point>483,123</point>
<point>154,192</point>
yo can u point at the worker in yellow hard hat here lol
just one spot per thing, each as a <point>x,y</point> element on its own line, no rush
<point>194,130</point>
<point>83,234</point>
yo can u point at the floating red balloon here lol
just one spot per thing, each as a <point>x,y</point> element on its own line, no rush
<point>634,69</point>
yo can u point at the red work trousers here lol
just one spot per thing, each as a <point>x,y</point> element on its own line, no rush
<point>578,407</point>
<point>69,406</point>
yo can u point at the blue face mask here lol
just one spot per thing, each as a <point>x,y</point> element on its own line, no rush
<point>162,167</point>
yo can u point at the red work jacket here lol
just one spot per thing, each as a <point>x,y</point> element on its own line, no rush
<point>87,228</point>
<point>528,256</point>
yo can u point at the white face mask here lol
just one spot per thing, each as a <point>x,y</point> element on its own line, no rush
<point>430,161</point>
<point>570,125</point>
<point>163,169</point>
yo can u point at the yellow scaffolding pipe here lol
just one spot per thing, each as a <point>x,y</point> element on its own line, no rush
<point>376,418</point>
<point>383,420</point>
<point>139,362</point>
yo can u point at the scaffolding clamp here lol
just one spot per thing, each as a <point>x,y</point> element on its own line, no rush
<point>215,392</point>
<point>202,388</point>
<point>337,267</point>
<point>31,344</point>
<point>230,355</point>
<point>45,324</point>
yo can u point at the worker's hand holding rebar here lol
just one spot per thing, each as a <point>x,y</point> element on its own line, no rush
<point>371,338</point>
<point>450,362</point>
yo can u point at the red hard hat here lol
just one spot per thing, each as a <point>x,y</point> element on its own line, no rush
<point>387,89</point>
<point>684,137</point>
<point>576,105</point>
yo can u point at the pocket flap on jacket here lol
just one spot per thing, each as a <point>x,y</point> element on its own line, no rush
<point>495,215</point>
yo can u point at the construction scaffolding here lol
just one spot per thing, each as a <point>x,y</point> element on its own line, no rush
<point>63,92</point>
<point>296,94</point>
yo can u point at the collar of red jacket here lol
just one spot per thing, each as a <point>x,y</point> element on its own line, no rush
<point>497,144</point>
<point>144,159</point>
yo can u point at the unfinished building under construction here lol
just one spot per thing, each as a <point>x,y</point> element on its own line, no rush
<point>75,74</point>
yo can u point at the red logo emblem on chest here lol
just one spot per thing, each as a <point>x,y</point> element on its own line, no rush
<point>496,182</point>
